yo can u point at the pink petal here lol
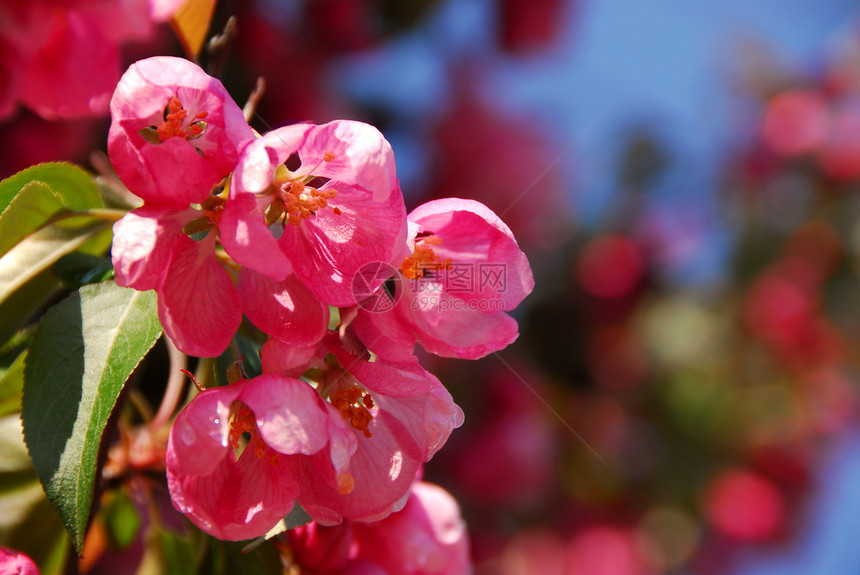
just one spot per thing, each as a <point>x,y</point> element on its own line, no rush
<point>360,157</point>
<point>328,249</point>
<point>413,415</point>
<point>465,334</point>
<point>143,244</point>
<point>387,334</point>
<point>199,437</point>
<point>16,563</point>
<point>428,536</point>
<point>382,467</point>
<point>198,305</point>
<point>284,359</point>
<point>162,10</point>
<point>321,549</point>
<point>237,500</point>
<point>244,232</point>
<point>292,417</point>
<point>410,394</point>
<point>248,240</point>
<point>118,21</point>
<point>256,169</point>
<point>285,310</point>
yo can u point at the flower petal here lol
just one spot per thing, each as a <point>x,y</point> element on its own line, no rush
<point>284,359</point>
<point>466,334</point>
<point>285,310</point>
<point>329,249</point>
<point>199,437</point>
<point>358,156</point>
<point>237,500</point>
<point>247,238</point>
<point>52,85</point>
<point>143,244</point>
<point>292,417</point>
<point>198,305</point>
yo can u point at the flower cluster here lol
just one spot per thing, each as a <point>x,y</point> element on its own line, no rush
<point>304,231</point>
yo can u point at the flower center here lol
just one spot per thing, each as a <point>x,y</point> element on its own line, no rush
<point>296,201</point>
<point>346,395</point>
<point>354,404</point>
<point>176,124</point>
<point>212,209</point>
<point>245,435</point>
<point>423,259</point>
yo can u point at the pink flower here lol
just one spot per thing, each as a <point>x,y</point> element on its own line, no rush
<point>400,415</point>
<point>281,420</point>
<point>64,57</point>
<point>427,537</point>
<point>16,563</point>
<point>323,220</point>
<point>175,131</point>
<point>465,271</point>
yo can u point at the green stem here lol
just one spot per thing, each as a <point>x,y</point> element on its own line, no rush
<point>99,214</point>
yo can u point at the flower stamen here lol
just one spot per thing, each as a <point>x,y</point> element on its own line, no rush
<point>298,202</point>
<point>174,122</point>
<point>423,258</point>
<point>243,421</point>
<point>354,404</point>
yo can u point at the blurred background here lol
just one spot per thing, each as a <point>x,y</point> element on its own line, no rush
<point>684,177</point>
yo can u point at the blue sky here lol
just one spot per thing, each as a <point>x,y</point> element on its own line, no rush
<point>663,64</point>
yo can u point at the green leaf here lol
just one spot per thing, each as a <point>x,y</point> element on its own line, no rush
<point>177,553</point>
<point>25,276</point>
<point>11,385</point>
<point>77,269</point>
<point>73,185</point>
<point>122,521</point>
<point>39,251</point>
<point>82,353</point>
<point>28,211</point>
